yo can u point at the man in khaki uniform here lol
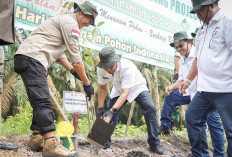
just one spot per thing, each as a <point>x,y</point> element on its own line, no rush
<point>35,55</point>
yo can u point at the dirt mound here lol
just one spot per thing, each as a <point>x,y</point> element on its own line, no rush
<point>120,147</point>
<point>136,154</point>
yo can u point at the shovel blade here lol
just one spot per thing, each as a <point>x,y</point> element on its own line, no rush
<point>100,132</point>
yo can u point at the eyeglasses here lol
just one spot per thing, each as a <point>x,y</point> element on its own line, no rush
<point>179,46</point>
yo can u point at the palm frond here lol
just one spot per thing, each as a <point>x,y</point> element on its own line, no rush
<point>20,91</point>
<point>7,95</point>
<point>165,81</point>
<point>79,86</point>
<point>148,76</point>
<point>54,90</point>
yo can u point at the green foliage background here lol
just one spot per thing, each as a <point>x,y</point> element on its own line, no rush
<point>17,111</point>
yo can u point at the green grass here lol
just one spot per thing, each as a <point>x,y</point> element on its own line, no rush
<point>18,124</point>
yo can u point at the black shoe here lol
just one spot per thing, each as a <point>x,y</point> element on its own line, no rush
<point>164,130</point>
<point>157,149</point>
<point>190,155</point>
<point>107,145</point>
<point>8,146</point>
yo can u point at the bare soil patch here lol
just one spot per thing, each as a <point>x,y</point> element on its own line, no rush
<point>121,147</point>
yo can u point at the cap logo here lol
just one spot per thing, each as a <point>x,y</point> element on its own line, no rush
<point>94,13</point>
<point>102,59</point>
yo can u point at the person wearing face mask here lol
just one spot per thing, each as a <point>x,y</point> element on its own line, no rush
<point>212,69</point>
<point>173,97</point>
<point>35,55</point>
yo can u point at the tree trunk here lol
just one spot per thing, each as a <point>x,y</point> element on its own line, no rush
<point>155,93</point>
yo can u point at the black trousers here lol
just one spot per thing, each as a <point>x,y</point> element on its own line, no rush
<point>34,76</point>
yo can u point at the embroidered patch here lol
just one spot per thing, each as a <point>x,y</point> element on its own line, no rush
<point>75,33</point>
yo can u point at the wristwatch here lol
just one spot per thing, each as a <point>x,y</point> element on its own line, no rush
<point>189,81</point>
<point>114,110</point>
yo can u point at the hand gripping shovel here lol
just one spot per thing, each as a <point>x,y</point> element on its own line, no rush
<point>100,132</point>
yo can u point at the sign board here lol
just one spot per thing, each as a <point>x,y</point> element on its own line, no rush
<point>74,102</point>
<point>139,30</point>
<point>29,14</point>
<point>142,30</point>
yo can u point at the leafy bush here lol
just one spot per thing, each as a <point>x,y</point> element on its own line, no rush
<point>132,130</point>
<point>83,125</point>
<point>20,123</point>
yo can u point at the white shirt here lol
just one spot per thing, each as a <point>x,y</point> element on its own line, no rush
<point>214,56</point>
<point>126,76</point>
<point>185,66</point>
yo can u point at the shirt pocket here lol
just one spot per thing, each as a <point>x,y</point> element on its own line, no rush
<point>216,40</point>
<point>73,40</point>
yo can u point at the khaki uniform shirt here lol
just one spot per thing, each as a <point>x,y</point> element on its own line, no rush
<point>6,22</point>
<point>49,41</point>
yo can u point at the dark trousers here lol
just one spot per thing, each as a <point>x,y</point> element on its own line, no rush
<point>148,110</point>
<point>170,103</point>
<point>196,117</point>
<point>34,76</point>
<point>213,120</point>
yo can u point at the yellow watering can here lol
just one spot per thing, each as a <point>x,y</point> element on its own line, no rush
<point>65,128</point>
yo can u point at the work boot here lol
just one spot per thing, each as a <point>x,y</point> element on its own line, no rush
<point>157,149</point>
<point>35,143</point>
<point>164,130</point>
<point>52,147</point>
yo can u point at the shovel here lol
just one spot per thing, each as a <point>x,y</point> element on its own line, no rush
<point>100,132</point>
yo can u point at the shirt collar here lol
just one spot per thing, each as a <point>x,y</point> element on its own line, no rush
<point>217,16</point>
<point>191,55</point>
<point>118,66</point>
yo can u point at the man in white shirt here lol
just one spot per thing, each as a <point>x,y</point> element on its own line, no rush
<point>128,85</point>
<point>213,69</point>
<point>173,98</point>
